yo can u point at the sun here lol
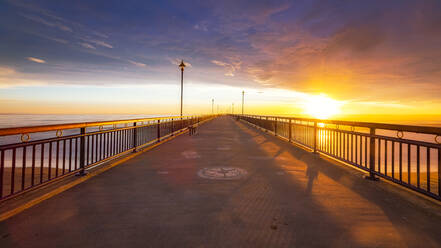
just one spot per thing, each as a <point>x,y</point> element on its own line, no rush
<point>321,106</point>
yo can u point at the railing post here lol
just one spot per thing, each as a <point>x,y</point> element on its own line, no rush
<point>372,155</point>
<point>159,130</point>
<point>315,136</point>
<point>134,136</point>
<point>82,171</point>
<point>289,131</point>
<point>172,127</point>
<point>266,125</point>
<point>275,126</point>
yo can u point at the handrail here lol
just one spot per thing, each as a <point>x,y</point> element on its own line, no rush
<point>54,127</point>
<point>412,162</point>
<point>386,126</point>
<point>27,165</point>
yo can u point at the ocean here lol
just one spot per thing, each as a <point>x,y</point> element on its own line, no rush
<point>20,120</point>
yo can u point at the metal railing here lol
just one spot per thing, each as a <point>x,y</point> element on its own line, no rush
<point>56,151</point>
<point>404,154</point>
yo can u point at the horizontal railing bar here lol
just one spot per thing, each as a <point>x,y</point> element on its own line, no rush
<point>411,186</point>
<point>345,131</point>
<point>55,127</point>
<point>85,149</point>
<point>292,140</point>
<point>407,141</point>
<point>389,138</point>
<point>41,141</point>
<point>351,147</point>
<point>395,180</point>
<point>385,126</point>
<point>70,173</point>
<point>299,124</point>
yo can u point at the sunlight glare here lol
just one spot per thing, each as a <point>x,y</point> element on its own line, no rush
<point>321,106</point>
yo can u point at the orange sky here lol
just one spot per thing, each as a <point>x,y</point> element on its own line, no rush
<point>377,59</point>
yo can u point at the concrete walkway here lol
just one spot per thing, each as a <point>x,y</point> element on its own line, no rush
<point>288,198</point>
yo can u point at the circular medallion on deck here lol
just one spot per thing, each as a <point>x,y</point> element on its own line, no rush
<point>222,173</point>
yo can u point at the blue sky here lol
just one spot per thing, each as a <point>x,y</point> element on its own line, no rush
<point>359,52</point>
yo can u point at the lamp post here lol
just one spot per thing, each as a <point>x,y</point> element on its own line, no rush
<point>182,66</point>
<point>243,94</point>
<point>212,106</point>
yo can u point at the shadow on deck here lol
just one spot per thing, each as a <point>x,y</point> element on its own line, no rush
<point>287,198</point>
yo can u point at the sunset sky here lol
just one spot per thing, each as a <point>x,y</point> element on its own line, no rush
<point>120,57</point>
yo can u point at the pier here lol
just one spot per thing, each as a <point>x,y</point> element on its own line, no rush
<point>230,184</point>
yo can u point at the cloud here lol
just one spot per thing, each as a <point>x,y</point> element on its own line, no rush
<point>347,50</point>
<point>87,45</point>
<point>102,43</point>
<point>137,63</point>
<point>231,67</point>
<point>47,18</point>
<point>9,77</point>
<point>6,71</point>
<point>391,104</point>
<point>95,42</point>
<point>105,36</point>
<point>36,60</point>
<point>337,51</point>
<point>56,39</point>
<point>47,23</point>
<point>203,26</point>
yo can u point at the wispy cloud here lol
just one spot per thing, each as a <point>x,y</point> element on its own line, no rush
<point>102,43</point>
<point>43,16</point>
<point>56,39</point>
<point>47,23</point>
<point>231,67</point>
<point>10,78</point>
<point>87,45</point>
<point>36,60</point>
<point>203,26</point>
<point>311,46</point>
<point>391,104</point>
<point>137,63</point>
<point>6,71</point>
<point>96,42</point>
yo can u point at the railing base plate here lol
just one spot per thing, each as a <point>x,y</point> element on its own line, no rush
<point>372,178</point>
<point>81,173</point>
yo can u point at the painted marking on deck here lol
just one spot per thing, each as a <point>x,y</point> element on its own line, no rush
<point>190,154</point>
<point>222,173</point>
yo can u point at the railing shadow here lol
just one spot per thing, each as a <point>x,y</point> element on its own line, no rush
<point>392,205</point>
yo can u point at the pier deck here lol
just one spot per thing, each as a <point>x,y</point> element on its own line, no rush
<point>287,198</point>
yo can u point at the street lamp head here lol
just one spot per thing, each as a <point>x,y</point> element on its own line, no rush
<point>182,65</point>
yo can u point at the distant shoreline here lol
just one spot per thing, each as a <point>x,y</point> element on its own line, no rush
<point>21,119</point>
